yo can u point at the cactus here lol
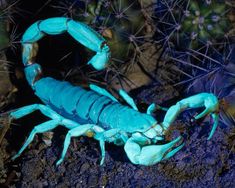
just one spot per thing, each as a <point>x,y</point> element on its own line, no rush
<point>205,21</point>
<point>7,25</point>
<point>192,24</point>
<point>194,35</point>
<point>4,40</point>
<point>6,10</point>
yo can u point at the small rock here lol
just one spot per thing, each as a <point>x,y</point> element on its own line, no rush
<point>84,167</point>
<point>47,137</point>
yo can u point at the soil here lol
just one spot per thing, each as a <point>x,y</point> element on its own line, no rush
<point>201,163</point>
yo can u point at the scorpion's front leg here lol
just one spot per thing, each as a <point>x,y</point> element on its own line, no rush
<point>89,130</point>
<point>207,100</point>
<point>140,151</point>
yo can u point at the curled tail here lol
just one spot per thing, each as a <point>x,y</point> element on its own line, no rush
<point>54,26</point>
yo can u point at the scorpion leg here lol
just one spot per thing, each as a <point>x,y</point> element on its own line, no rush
<point>128,99</point>
<point>41,128</point>
<point>88,130</point>
<point>102,91</point>
<point>150,154</point>
<point>122,93</point>
<point>153,107</point>
<point>112,135</point>
<point>215,117</point>
<point>23,111</point>
<point>207,100</point>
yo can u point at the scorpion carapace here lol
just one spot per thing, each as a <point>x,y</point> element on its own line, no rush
<point>96,113</point>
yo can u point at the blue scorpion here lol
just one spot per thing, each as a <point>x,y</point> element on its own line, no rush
<point>97,113</point>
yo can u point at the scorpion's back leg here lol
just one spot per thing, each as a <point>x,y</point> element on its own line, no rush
<point>23,111</point>
<point>44,127</point>
<point>41,128</point>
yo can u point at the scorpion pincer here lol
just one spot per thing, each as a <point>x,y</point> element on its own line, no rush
<point>96,113</point>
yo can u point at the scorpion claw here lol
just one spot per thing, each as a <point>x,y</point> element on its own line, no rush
<point>167,149</point>
<point>215,118</point>
<point>203,113</point>
<point>151,154</point>
<point>212,107</point>
<point>207,100</point>
<point>173,151</point>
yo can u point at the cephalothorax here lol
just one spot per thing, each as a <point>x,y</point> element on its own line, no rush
<point>96,113</point>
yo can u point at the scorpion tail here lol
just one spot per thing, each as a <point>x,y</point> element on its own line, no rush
<point>54,26</point>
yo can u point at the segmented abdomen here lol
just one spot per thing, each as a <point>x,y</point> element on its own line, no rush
<point>73,102</point>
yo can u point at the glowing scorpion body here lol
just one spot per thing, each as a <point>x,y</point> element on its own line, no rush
<point>96,113</point>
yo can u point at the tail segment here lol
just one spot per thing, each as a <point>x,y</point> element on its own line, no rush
<point>54,26</point>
